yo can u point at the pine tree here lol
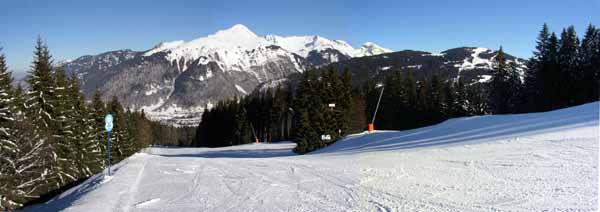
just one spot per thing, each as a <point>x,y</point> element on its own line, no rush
<point>596,72</point>
<point>9,146</point>
<point>450,103</point>
<point>278,113</point>
<point>392,103</point>
<point>477,98</point>
<point>97,111</point>
<point>63,130</point>
<point>436,99</point>
<point>118,137</point>
<point>569,67</point>
<point>590,65</point>
<point>410,116</point>
<point>499,86</point>
<point>460,109</point>
<point>241,131</point>
<point>88,158</point>
<point>40,103</point>
<point>39,106</point>
<point>551,76</point>
<point>29,176</point>
<point>423,106</point>
<point>535,67</point>
<point>144,131</point>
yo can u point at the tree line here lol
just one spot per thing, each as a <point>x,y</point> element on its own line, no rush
<point>325,106</point>
<point>51,139</point>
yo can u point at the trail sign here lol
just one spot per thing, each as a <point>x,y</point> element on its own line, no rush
<point>108,125</point>
<point>108,122</point>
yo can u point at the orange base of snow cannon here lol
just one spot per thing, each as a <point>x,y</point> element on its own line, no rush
<point>371,127</point>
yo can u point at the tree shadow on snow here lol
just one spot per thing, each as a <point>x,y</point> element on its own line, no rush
<point>265,152</point>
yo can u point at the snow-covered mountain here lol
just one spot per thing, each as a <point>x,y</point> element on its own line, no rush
<point>526,162</point>
<point>176,80</point>
<point>470,64</point>
<point>238,48</point>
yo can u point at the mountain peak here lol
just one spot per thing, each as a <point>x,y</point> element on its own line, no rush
<point>370,48</point>
<point>238,30</point>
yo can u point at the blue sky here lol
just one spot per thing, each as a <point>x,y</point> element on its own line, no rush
<point>75,28</point>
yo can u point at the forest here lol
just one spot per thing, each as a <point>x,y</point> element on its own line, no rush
<point>325,105</point>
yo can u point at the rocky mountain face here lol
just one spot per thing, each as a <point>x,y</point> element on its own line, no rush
<point>175,81</point>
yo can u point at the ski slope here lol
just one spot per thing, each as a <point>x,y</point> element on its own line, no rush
<point>529,162</point>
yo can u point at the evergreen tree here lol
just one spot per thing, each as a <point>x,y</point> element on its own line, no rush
<point>118,136</point>
<point>40,106</point>
<point>97,111</point>
<point>499,86</point>
<point>278,114</point>
<point>143,134</point>
<point>477,99</point>
<point>9,146</point>
<point>63,130</point>
<point>450,102</point>
<point>348,110</point>
<point>410,114</point>
<point>536,66</point>
<point>88,157</point>
<point>461,101</point>
<point>570,74</point>
<point>551,76</point>
<point>436,99</point>
<point>590,65</point>
<point>423,106</point>
<point>516,87</point>
<point>242,134</point>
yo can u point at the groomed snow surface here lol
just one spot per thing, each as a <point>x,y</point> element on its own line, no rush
<point>529,162</point>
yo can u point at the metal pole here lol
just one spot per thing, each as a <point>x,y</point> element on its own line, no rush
<point>108,142</point>
<point>253,133</point>
<point>375,115</point>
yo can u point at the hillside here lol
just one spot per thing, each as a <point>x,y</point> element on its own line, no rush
<point>527,162</point>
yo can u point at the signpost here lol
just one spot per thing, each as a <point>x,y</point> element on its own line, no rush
<point>108,125</point>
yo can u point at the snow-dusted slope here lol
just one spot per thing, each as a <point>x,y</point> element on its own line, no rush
<point>529,162</point>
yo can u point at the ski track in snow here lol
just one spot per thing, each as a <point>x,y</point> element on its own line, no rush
<point>529,162</point>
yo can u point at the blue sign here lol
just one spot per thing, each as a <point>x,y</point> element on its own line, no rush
<point>108,122</point>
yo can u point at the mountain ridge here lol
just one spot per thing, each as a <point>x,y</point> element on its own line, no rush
<point>175,81</point>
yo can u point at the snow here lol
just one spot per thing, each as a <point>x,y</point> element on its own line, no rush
<point>370,49</point>
<point>475,60</point>
<point>273,84</point>
<point>385,68</point>
<point>238,48</point>
<point>484,78</point>
<point>527,162</point>
<point>434,54</point>
<point>153,89</point>
<point>240,89</point>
